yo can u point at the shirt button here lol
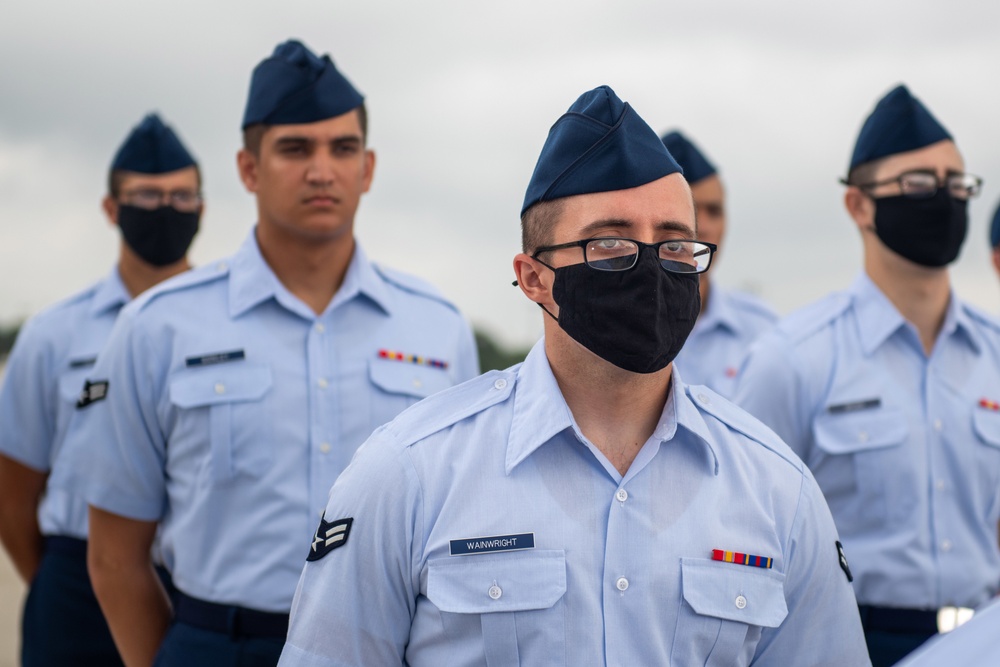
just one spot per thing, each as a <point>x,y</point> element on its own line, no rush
<point>945,545</point>
<point>323,384</point>
<point>938,425</point>
<point>622,495</point>
<point>495,592</point>
<point>325,448</point>
<point>220,388</point>
<point>221,266</point>
<point>704,399</point>
<point>741,602</point>
<point>500,384</point>
<point>621,584</point>
<point>417,383</point>
<point>940,485</point>
<point>863,436</point>
<point>320,328</point>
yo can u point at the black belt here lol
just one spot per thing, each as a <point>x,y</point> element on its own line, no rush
<point>903,621</point>
<point>230,620</point>
<point>71,546</point>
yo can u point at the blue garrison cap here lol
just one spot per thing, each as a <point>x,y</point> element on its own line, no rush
<point>600,144</point>
<point>695,165</point>
<point>995,229</point>
<point>152,148</point>
<point>899,123</point>
<point>296,86</point>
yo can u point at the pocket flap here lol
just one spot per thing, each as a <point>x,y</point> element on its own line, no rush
<point>734,592</point>
<point>400,377</point>
<point>987,426</point>
<point>524,580</point>
<point>858,431</point>
<point>220,384</point>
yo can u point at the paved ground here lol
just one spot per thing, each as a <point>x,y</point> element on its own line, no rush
<point>11,599</point>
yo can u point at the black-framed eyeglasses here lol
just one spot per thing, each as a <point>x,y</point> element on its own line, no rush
<point>924,183</point>
<point>613,253</point>
<point>151,198</point>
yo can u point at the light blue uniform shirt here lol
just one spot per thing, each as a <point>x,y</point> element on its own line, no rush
<point>232,407</point>
<point>45,373</point>
<point>721,338</point>
<point>974,644</point>
<point>593,567</point>
<point>905,446</point>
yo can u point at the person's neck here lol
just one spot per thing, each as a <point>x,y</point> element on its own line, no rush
<point>615,409</point>
<point>705,292</point>
<point>920,294</point>
<point>139,275</point>
<point>311,269</point>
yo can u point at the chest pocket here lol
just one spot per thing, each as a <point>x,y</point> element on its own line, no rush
<point>723,611</point>
<point>397,385</point>
<point>986,424</point>
<point>514,598</point>
<point>859,448</point>
<point>229,397</point>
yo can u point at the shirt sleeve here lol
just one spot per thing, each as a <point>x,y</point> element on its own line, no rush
<point>770,388</point>
<point>28,401</point>
<point>122,434</point>
<point>823,627</point>
<point>355,603</point>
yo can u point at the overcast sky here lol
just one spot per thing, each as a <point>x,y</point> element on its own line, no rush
<point>461,95</point>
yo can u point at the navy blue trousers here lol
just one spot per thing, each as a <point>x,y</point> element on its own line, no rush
<point>62,622</point>
<point>188,646</point>
<point>888,648</point>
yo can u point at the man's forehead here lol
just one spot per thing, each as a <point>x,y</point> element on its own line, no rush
<point>345,126</point>
<point>179,178</point>
<point>940,156</point>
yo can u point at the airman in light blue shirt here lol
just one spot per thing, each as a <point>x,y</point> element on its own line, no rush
<point>154,200</point>
<point>730,321</point>
<point>229,400</point>
<point>889,390</point>
<point>586,507</point>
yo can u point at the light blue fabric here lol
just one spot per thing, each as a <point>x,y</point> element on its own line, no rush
<point>620,572</point>
<point>232,408</point>
<point>974,644</point>
<point>721,338</point>
<point>907,457</point>
<point>45,373</point>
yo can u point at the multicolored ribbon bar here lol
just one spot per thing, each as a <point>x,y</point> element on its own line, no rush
<point>989,405</point>
<point>412,359</point>
<point>741,559</point>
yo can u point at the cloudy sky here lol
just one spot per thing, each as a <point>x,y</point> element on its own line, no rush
<point>461,95</point>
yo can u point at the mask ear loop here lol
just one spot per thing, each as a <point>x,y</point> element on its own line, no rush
<point>553,269</point>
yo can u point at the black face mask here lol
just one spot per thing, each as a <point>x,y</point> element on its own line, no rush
<point>637,319</point>
<point>159,236</point>
<point>929,232</point>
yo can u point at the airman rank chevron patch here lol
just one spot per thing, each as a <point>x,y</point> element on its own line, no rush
<point>741,559</point>
<point>412,359</point>
<point>329,536</point>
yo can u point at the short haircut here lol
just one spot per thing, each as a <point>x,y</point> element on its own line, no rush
<point>537,224</point>
<point>864,173</point>
<point>254,134</point>
<point>117,176</point>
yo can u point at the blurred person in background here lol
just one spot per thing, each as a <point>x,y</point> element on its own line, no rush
<point>154,198</point>
<point>890,390</point>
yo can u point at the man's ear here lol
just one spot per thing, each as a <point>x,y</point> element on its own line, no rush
<point>110,208</point>
<point>860,207</point>
<point>535,279</point>
<point>246,164</point>
<point>996,258</point>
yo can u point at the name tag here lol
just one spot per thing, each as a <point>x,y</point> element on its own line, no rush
<point>854,406</point>
<point>83,363</point>
<point>485,545</point>
<point>217,358</point>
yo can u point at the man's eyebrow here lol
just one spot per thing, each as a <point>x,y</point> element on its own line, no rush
<point>615,223</point>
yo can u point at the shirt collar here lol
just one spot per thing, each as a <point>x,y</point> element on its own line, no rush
<point>878,318</point>
<point>718,314</point>
<point>541,412</point>
<point>111,294</point>
<point>251,282</point>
